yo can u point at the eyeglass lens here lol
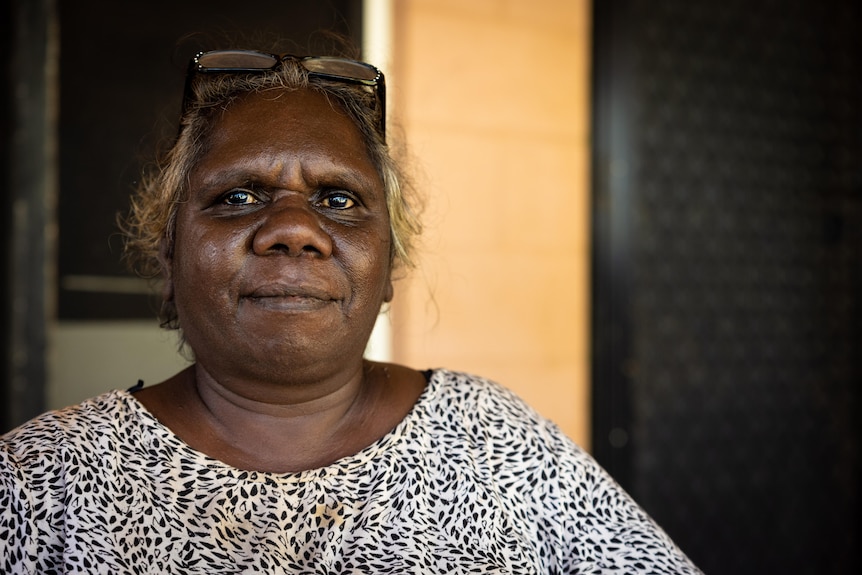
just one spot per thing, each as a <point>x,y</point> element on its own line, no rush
<point>341,68</point>
<point>236,59</point>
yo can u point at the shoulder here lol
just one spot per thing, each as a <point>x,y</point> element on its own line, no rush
<point>51,464</point>
<point>477,414</point>
<point>475,394</point>
<point>561,484</point>
<point>62,434</point>
<point>480,402</point>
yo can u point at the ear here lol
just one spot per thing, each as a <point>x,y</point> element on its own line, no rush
<point>167,264</point>
<point>390,290</point>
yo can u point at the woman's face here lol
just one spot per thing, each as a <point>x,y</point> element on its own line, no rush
<point>281,258</point>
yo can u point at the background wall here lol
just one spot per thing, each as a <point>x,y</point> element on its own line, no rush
<point>493,96</point>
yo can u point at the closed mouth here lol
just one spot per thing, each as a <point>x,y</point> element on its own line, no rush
<point>281,297</point>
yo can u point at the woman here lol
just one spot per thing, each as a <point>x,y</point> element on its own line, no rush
<point>276,222</point>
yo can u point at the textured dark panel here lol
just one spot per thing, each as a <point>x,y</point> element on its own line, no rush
<point>743,298</point>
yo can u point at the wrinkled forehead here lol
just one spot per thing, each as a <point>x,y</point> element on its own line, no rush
<point>277,121</point>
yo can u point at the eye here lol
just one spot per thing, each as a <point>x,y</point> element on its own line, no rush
<point>338,201</point>
<point>239,197</point>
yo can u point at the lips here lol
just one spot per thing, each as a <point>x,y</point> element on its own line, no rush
<point>289,297</point>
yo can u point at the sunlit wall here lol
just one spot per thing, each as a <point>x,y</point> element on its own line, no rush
<point>493,99</point>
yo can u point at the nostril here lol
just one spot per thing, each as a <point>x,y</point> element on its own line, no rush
<point>294,250</point>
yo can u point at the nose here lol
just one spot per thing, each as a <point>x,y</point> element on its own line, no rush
<point>291,228</point>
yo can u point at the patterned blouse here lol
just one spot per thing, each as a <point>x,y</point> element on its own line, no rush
<point>471,481</point>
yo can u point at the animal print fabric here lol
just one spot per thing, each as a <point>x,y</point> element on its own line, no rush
<point>471,481</point>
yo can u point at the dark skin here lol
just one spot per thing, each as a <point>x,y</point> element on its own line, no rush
<point>280,263</point>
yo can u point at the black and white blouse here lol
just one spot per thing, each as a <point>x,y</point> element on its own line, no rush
<point>471,481</point>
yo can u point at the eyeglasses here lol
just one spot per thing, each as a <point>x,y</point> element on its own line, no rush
<point>328,67</point>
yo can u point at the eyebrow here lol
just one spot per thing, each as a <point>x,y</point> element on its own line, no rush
<point>333,176</point>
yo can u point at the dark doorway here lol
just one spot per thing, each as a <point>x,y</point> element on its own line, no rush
<point>728,275</point>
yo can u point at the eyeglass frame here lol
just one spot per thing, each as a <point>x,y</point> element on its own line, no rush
<point>378,82</point>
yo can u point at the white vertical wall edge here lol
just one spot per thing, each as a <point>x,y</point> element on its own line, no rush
<point>377,34</point>
<point>377,50</point>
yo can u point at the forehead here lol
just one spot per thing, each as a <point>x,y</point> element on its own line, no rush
<point>279,123</point>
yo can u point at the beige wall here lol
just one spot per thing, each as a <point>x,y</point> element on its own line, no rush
<point>90,357</point>
<point>493,99</point>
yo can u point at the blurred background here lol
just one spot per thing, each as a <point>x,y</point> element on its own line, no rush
<point>644,217</point>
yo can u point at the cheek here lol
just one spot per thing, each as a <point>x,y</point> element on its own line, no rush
<point>369,265</point>
<point>204,259</point>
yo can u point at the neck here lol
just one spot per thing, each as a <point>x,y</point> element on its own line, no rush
<point>284,428</point>
<point>229,399</point>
